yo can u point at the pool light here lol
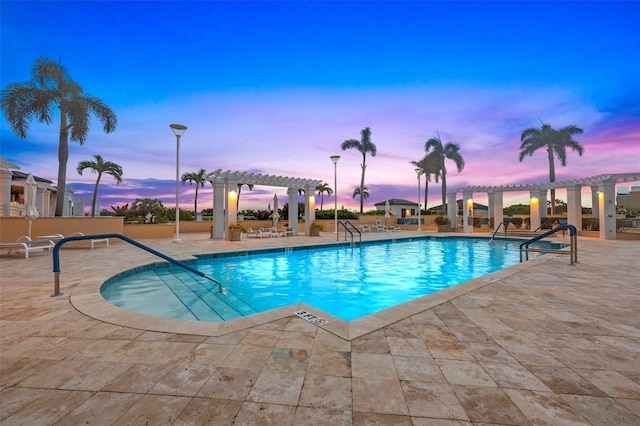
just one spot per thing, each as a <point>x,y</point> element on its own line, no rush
<point>419,173</point>
<point>335,159</point>
<point>178,130</point>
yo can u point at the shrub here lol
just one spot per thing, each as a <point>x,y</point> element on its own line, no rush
<point>236,226</point>
<point>442,220</point>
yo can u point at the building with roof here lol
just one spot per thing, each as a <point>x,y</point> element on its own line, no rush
<point>12,194</point>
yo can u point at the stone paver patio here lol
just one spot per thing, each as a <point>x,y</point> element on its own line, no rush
<point>540,343</point>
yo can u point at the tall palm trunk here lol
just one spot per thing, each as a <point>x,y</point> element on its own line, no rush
<point>364,167</point>
<point>445,208</point>
<point>426,190</point>
<point>95,196</point>
<point>63,157</point>
<point>552,178</point>
<point>195,202</point>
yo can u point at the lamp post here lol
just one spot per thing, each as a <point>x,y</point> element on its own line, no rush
<point>335,159</point>
<point>419,173</point>
<point>178,130</point>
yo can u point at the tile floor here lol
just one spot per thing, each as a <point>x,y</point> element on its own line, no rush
<point>540,343</point>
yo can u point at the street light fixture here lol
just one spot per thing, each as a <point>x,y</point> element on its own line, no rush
<point>419,173</point>
<point>178,130</point>
<point>335,159</point>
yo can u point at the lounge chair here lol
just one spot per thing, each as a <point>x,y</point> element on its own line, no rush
<point>26,245</point>
<point>286,231</point>
<point>58,237</point>
<point>93,240</point>
<point>273,231</point>
<point>365,228</point>
<point>258,233</point>
<point>393,228</point>
<point>380,227</point>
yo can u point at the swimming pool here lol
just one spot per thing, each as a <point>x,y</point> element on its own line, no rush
<point>344,281</point>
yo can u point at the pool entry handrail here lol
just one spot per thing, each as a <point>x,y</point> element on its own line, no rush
<point>346,224</point>
<point>506,225</point>
<point>59,244</point>
<point>573,243</point>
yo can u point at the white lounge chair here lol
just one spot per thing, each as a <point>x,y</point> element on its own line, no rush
<point>365,228</point>
<point>26,245</point>
<point>286,231</point>
<point>93,240</point>
<point>258,233</point>
<point>273,231</point>
<point>58,237</point>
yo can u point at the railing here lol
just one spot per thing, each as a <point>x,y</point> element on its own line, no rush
<point>506,224</point>
<point>573,244</point>
<point>546,222</point>
<point>346,225</point>
<point>56,258</point>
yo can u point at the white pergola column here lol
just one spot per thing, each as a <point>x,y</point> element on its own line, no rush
<point>595,211</point>
<point>219,197</point>
<point>534,209</point>
<point>5,193</point>
<point>467,212</point>
<point>67,209</point>
<point>293,209</point>
<point>309,209</point>
<point>490,201</point>
<point>452,209</point>
<point>542,205</point>
<point>607,206</point>
<point>231,212</point>
<point>574,206</point>
<point>498,213</point>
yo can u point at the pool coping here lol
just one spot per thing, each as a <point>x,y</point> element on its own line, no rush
<point>86,298</point>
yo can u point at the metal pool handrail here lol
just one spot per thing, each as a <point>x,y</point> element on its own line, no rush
<point>506,224</point>
<point>346,229</point>
<point>573,238</point>
<point>56,258</point>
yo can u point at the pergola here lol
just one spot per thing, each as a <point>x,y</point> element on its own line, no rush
<point>602,195</point>
<point>225,196</point>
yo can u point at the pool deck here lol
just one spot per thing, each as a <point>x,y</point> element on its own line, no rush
<point>543,342</point>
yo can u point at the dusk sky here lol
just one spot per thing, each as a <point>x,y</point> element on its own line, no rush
<point>276,87</point>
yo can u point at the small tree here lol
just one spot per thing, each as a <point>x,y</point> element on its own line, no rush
<point>322,188</point>
<point>199,178</point>
<point>148,210</point>
<point>364,146</point>
<point>100,167</point>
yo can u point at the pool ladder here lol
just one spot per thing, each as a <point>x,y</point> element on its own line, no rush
<point>573,243</point>
<point>56,258</point>
<point>346,224</point>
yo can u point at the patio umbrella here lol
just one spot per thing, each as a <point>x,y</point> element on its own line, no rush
<point>30,190</point>
<point>275,216</point>
<point>386,212</point>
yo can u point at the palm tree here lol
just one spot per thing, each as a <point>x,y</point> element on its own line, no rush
<point>322,188</point>
<point>364,193</point>
<point>430,166</point>
<point>441,152</point>
<point>363,145</point>
<point>200,179</point>
<point>555,142</point>
<point>250,185</point>
<point>52,89</point>
<point>100,167</point>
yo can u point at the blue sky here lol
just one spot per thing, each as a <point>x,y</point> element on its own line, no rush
<point>276,87</point>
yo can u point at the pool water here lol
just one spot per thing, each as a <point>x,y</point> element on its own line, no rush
<point>347,282</point>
